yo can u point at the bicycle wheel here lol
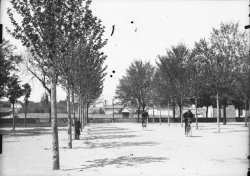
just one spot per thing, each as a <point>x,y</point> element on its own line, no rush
<point>189,130</point>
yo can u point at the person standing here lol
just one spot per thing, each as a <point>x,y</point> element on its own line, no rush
<point>78,126</point>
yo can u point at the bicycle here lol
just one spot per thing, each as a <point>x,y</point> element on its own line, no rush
<point>144,123</point>
<point>189,129</point>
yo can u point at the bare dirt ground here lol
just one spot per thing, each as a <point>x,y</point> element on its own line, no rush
<point>126,149</point>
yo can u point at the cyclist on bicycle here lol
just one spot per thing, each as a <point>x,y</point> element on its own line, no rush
<point>187,116</point>
<point>144,119</point>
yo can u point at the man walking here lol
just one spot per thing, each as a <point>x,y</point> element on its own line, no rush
<point>78,126</point>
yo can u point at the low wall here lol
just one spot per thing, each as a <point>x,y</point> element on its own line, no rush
<point>33,122</point>
<point>110,120</point>
<point>62,122</point>
<point>201,120</point>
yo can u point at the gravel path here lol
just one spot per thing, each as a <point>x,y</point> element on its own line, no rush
<point>126,149</point>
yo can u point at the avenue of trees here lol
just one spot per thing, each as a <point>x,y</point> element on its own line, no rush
<point>64,41</point>
<point>215,72</point>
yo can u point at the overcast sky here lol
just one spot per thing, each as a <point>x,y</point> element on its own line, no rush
<point>145,28</point>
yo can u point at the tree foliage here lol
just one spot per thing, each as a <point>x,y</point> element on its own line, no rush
<point>8,64</point>
<point>135,87</point>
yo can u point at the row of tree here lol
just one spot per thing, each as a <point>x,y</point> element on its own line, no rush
<point>215,72</point>
<point>64,41</point>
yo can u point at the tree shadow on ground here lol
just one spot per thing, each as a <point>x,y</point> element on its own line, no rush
<point>194,136</point>
<point>231,131</point>
<point>106,128</point>
<point>106,145</point>
<point>122,161</point>
<point>109,137</point>
<point>147,130</point>
<point>109,132</point>
<point>27,132</point>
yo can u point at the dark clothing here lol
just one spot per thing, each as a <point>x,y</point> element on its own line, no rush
<point>77,128</point>
<point>144,114</point>
<point>187,116</point>
<point>144,118</point>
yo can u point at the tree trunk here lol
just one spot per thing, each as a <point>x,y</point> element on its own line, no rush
<point>239,112</point>
<point>14,117</point>
<point>87,113</point>
<point>153,114</point>
<point>207,111</point>
<point>78,109</point>
<point>138,114</point>
<point>160,117</point>
<point>83,115</point>
<point>220,114</point>
<point>174,114</point>
<point>74,113</point>
<point>168,115</point>
<point>180,106</point>
<point>49,107</point>
<point>69,117</point>
<point>224,115</point>
<point>246,113</point>
<point>55,143</point>
<point>196,115</point>
<point>218,111</point>
<point>80,112</point>
<point>25,115</point>
<point>49,112</point>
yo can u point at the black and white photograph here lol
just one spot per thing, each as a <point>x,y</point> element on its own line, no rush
<point>124,88</point>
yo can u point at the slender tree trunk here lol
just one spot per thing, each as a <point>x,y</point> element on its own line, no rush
<point>83,115</point>
<point>78,109</point>
<point>49,112</point>
<point>25,115</point>
<point>74,113</point>
<point>168,115</point>
<point>55,143</point>
<point>181,113</point>
<point>174,114</point>
<point>196,115</point>
<point>87,113</point>
<point>207,111</point>
<point>138,114</point>
<point>224,115</point>
<point>160,117</point>
<point>80,112</point>
<point>239,113</point>
<point>218,112</point>
<point>245,113</point>
<point>69,117</point>
<point>153,114</point>
<point>14,117</point>
<point>49,103</point>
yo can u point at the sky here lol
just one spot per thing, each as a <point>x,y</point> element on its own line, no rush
<point>145,29</point>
